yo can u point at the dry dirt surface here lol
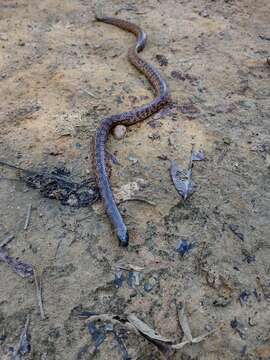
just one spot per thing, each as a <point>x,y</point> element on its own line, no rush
<point>60,74</point>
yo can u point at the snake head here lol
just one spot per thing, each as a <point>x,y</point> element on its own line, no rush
<point>123,238</point>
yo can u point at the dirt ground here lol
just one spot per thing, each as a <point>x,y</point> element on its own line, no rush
<point>60,74</point>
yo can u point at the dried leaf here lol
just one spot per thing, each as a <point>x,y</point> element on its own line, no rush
<point>184,247</point>
<point>197,156</point>
<point>235,229</point>
<point>188,339</point>
<point>184,323</point>
<point>21,268</point>
<point>200,338</point>
<point>97,335</point>
<point>25,342</point>
<point>121,346</point>
<point>118,278</point>
<point>182,180</point>
<point>146,330</point>
<point>130,267</point>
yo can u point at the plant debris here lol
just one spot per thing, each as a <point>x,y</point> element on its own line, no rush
<point>58,185</point>
<point>184,247</point>
<point>146,330</point>
<point>235,325</point>
<point>198,156</point>
<point>22,269</point>
<point>235,229</point>
<point>134,278</point>
<point>182,180</point>
<point>24,346</point>
<point>132,323</point>
<point>118,278</point>
<point>121,345</point>
<point>7,240</point>
<point>244,297</point>
<point>188,338</point>
<point>39,295</point>
<point>97,335</point>
<point>27,220</point>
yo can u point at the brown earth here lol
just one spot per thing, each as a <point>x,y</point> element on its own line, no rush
<point>60,74</point>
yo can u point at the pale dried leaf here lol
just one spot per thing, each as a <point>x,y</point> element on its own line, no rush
<point>130,267</point>
<point>200,338</point>
<point>184,323</point>
<point>180,345</point>
<point>182,180</point>
<point>146,330</point>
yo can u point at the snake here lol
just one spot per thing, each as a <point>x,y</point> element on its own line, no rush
<point>128,118</point>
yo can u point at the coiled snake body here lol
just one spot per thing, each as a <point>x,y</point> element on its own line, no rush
<point>126,118</point>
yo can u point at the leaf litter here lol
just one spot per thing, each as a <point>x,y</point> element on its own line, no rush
<point>24,346</point>
<point>131,322</point>
<point>21,268</point>
<point>182,178</point>
<point>184,247</point>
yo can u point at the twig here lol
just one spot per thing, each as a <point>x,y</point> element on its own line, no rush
<point>90,94</point>
<point>188,338</point>
<point>39,295</point>
<point>184,323</point>
<point>27,220</point>
<point>7,240</point>
<point>22,269</point>
<point>43,174</point>
<point>57,247</point>
<point>152,203</point>
<point>24,346</point>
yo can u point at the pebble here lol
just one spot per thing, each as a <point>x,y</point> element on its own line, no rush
<point>119,132</point>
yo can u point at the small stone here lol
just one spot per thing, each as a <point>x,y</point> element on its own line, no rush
<point>119,132</point>
<point>204,13</point>
<point>227,140</point>
<point>133,159</point>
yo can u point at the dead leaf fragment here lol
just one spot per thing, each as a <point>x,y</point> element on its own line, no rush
<point>182,180</point>
<point>146,330</point>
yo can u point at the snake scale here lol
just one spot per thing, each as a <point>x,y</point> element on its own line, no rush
<point>126,118</point>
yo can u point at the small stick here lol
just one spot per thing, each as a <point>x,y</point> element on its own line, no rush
<point>7,240</point>
<point>136,198</point>
<point>90,94</point>
<point>39,295</point>
<point>27,220</point>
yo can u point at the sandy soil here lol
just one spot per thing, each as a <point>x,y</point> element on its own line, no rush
<point>60,74</point>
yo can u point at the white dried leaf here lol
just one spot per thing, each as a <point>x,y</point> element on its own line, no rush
<point>182,180</point>
<point>146,330</point>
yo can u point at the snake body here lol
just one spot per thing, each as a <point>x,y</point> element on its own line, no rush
<point>126,118</point>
